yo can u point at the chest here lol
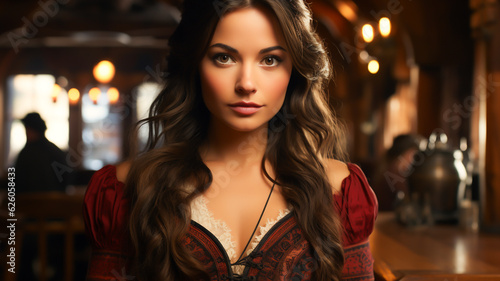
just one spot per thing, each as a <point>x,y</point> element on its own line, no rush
<point>238,202</point>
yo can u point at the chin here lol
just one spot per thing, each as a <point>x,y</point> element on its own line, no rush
<point>247,128</point>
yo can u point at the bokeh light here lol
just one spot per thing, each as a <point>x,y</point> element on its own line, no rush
<point>94,94</point>
<point>368,33</point>
<point>384,26</point>
<point>113,95</point>
<point>73,95</point>
<point>373,66</point>
<point>104,71</point>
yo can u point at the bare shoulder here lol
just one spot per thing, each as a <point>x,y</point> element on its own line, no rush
<point>122,170</point>
<point>336,171</point>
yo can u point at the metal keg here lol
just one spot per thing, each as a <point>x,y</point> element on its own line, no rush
<point>438,176</point>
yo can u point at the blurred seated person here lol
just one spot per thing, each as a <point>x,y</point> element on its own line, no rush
<point>40,167</point>
<point>40,164</point>
<point>391,177</point>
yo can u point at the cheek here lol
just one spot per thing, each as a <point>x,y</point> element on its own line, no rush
<point>276,85</point>
<point>214,85</point>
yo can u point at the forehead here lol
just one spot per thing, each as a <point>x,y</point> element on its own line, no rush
<point>247,27</point>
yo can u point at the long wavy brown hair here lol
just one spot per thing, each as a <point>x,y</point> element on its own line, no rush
<point>170,172</point>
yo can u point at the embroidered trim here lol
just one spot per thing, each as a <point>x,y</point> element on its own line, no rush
<point>358,262</point>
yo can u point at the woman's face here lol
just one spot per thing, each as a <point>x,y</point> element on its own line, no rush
<point>246,70</point>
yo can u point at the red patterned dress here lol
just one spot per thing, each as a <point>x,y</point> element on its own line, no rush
<point>282,254</point>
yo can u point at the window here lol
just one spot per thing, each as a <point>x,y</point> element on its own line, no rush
<point>33,93</point>
<point>102,132</point>
<point>146,93</point>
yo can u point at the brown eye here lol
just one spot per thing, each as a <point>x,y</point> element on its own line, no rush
<point>271,61</point>
<point>223,59</point>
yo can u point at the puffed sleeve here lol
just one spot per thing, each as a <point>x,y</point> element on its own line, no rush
<point>106,212</point>
<point>357,207</point>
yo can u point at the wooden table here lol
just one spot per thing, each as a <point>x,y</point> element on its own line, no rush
<point>439,252</point>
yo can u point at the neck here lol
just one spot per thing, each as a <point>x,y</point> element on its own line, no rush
<point>33,137</point>
<point>226,144</point>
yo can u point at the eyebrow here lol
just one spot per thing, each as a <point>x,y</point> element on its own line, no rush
<point>233,50</point>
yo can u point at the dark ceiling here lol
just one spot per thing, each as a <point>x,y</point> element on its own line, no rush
<point>437,30</point>
<point>63,23</point>
<point>135,17</point>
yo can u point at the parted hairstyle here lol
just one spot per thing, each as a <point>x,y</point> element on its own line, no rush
<point>169,173</point>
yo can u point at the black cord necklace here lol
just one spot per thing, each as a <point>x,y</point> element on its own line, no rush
<point>256,226</point>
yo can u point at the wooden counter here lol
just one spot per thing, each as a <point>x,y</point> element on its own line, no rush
<point>439,252</point>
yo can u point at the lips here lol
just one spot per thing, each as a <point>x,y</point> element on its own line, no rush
<point>245,108</point>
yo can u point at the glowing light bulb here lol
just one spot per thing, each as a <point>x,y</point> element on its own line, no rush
<point>94,94</point>
<point>113,95</point>
<point>104,71</point>
<point>368,33</point>
<point>74,96</point>
<point>55,92</point>
<point>348,10</point>
<point>373,66</point>
<point>384,26</point>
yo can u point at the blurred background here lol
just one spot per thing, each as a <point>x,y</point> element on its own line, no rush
<point>416,84</point>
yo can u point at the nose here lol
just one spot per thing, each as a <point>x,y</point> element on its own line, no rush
<point>245,84</point>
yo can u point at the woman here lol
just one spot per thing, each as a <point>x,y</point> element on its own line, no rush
<point>238,180</point>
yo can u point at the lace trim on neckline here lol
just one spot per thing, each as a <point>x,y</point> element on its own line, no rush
<point>201,214</point>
